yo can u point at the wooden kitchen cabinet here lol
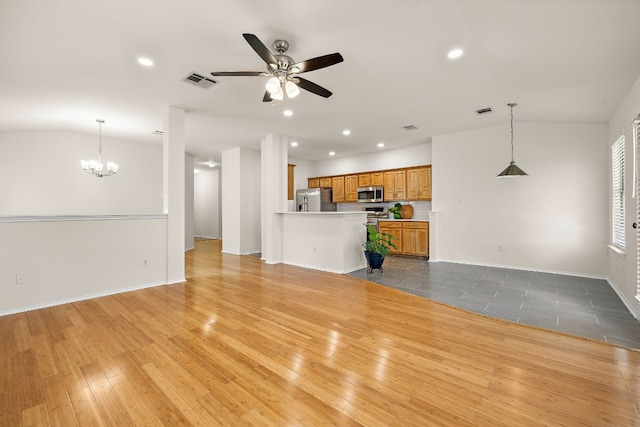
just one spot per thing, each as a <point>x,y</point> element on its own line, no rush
<point>364,180</point>
<point>313,183</point>
<point>395,185</point>
<point>419,183</point>
<point>415,238</point>
<point>377,178</point>
<point>394,229</point>
<point>290,181</point>
<point>411,237</point>
<point>351,188</point>
<point>337,184</point>
<point>326,183</point>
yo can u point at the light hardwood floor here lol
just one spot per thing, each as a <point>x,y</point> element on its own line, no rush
<point>244,343</point>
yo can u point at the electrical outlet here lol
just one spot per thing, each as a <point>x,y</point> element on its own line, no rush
<point>314,249</point>
<point>500,248</point>
<point>20,279</point>
<point>460,201</point>
<point>145,262</point>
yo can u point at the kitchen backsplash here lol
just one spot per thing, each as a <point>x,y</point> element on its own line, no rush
<point>420,209</point>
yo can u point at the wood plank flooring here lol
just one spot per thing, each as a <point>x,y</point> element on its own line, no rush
<point>244,343</point>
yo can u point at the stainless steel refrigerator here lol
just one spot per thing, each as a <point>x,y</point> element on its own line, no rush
<point>315,200</point>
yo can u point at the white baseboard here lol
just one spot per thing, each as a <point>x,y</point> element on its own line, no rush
<point>630,306</point>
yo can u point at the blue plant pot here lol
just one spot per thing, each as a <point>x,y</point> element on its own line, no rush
<point>374,261</point>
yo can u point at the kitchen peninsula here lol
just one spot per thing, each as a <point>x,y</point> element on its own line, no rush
<point>328,241</point>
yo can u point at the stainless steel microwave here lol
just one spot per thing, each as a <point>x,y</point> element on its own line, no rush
<point>371,194</point>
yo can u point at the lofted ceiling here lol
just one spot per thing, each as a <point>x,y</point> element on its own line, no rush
<point>65,64</point>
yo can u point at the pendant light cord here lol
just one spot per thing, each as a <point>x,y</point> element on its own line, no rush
<point>512,104</point>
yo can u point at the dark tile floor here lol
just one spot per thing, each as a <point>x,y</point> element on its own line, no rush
<point>573,305</point>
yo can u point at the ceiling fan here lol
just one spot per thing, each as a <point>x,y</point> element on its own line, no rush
<point>284,72</point>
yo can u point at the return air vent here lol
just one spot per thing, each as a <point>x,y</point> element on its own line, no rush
<point>410,127</point>
<point>484,110</point>
<point>199,80</point>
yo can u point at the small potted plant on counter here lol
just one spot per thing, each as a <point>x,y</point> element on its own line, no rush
<point>376,248</point>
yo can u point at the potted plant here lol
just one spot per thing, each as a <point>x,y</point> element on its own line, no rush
<point>376,248</point>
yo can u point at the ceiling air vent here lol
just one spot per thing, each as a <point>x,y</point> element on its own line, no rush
<point>158,132</point>
<point>199,80</point>
<point>484,110</point>
<point>410,127</point>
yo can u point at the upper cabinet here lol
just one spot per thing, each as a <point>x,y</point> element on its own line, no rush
<point>364,180</point>
<point>377,178</point>
<point>338,189</point>
<point>395,185</point>
<point>412,183</point>
<point>419,183</point>
<point>351,188</point>
<point>326,182</point>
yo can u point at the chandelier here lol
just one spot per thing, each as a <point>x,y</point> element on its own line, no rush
<point>96,167</point>
<point>512,170</point>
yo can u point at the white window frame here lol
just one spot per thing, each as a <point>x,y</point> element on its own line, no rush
<point>618,198</point>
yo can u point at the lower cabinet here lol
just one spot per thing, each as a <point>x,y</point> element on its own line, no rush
<point>394,229</point>
<point>411,237</point>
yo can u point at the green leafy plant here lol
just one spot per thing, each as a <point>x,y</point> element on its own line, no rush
<point>379,243</point>
<point>395,210</point>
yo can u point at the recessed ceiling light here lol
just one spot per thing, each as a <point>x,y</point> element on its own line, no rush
<point>288,113</point>
<point>145,61</point>
<point>346,132</point>
<point>455,53</point>
<point>294,144</point>
<point>380,144</point>
<point>332,153</point>
<point>212,164</point>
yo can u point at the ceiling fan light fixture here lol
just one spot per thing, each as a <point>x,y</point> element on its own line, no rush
<point>273,85</point>
<point>292,89</point>
<point>278,95</point>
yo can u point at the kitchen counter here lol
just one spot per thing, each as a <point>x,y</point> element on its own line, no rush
<point>328,241</point>
<point>402,219</point>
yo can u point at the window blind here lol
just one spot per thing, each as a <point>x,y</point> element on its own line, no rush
<point>617,168</point>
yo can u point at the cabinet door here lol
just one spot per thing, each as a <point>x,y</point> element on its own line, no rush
<point>400,186</point>
<point>408,241</point>
<point>290,181</point>
<point>351,188</point>
<point>389,186</point>
<point>413,184</point>
<point>394,229</point>
<point>364,180</point>
<point>377,178</point>
<point>326,183</point>
<point>313,183</point>
<point>337,183</point>
<point>424,191</point>
<point>415,238</point>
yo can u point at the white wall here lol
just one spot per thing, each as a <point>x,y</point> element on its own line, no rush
<point>189,214</point>
<point>207,204</point>
<point>553,220</point>
<point>241,232</point>
<point>67,260</point>
<point>384,159</point>
<point>622,267</point>
<point>40,174</point>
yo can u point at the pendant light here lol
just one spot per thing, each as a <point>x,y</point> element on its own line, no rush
<point>96,167</point>
<point>512,170</point>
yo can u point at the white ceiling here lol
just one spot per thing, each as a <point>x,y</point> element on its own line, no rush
<point>64,64</point>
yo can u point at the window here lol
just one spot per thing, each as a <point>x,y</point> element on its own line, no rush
<point>617,168</point>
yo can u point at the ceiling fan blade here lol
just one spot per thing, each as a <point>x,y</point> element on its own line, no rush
<point>267,97</point>
<point>260,48</point>
<point>239,73</point>
<point>317,63</point>
<point>313,88</point>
